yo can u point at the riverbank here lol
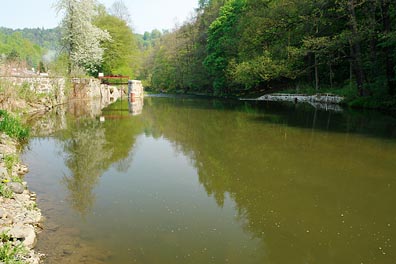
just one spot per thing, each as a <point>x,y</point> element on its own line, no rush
<point>20,219</point>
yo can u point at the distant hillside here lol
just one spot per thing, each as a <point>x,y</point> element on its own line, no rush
<point>45,38</point>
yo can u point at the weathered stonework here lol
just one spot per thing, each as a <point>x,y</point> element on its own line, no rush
<point>319,101</point>
<point>41,85</point>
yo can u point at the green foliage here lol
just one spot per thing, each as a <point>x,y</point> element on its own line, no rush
<point>4,237</point>
<point>255,45</point>
<point>12,126</point>
<point>260,69</point>
<point>10,161</point>
<point>16,179</point>
<point>59,66</point>
<point>48,39</point>
<point>223,43</point>
<point>120,55</point>
<point>10,254</point>
<point>16,48</point>
<point>5,192</point>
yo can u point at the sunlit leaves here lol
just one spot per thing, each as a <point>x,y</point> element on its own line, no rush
<point>81,38</point>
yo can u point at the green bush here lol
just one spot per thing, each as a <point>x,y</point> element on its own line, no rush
<point>12,126</point>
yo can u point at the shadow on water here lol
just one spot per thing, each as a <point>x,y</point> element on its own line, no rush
<point>366,122</point>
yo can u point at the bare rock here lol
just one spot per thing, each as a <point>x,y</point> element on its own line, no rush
<point>22,169</point>
<point>24,233</point>
<point>16,187</point>
<point>3,173</point>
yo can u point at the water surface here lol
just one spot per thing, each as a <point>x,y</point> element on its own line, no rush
<point>190,180</point>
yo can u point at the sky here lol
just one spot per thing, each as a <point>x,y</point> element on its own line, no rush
<point>146,14</point>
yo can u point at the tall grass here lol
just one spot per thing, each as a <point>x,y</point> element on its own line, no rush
<point>10,254</point>
<point>12,126</point>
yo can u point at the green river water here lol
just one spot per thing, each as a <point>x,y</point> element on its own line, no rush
<point>187,180</point>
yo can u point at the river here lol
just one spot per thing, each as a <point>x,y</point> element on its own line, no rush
<point>195,180</point>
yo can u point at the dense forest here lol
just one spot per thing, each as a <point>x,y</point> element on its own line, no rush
<point>232,48</point>
<point>29,45</point>
<point>245,46</point>
<point>14,47</point>
<point>45,38</point>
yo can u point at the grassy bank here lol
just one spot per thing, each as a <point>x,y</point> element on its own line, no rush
<point>12,126</point>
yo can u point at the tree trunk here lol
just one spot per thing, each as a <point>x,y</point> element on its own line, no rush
<point>316,73</point>
<point>372,11</point>
<point>331,75</point>
<point>356,50</point>
<point>390,65</point>
<point>71,44</point>
<point>309,72</point>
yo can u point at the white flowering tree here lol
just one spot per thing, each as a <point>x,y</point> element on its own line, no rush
<point>81,38</point>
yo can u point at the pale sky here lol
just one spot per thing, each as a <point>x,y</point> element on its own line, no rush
<point>146,14</point>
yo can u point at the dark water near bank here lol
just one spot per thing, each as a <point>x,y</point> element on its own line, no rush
<point>206,181</point>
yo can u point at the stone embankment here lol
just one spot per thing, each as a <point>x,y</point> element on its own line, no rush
<point>317,98</point>
<point>319,101</point>
<point>31,94</point>
<point>19,216</point>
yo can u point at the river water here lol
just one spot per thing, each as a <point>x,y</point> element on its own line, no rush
<point>186,180</point>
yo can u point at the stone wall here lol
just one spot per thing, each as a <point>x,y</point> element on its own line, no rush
<point>41,85</point>
<point>135,87</point>
<point>81,88</point>
<point>92,88</point>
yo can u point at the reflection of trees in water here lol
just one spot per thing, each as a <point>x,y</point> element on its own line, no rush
<point>87,151</point>
<point>92,147</point>
<point>290,185</point>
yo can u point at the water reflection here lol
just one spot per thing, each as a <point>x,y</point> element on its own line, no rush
<point>301,188</point>
<point>302,185</point>
<point>135,105</point>
<point>86,155</point>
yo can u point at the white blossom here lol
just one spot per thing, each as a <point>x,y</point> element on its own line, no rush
<point>81,38</point>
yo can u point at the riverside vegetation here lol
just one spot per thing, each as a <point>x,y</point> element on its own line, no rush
<point>232,48</point>
<point>228,48</point>
<point>19,216</point>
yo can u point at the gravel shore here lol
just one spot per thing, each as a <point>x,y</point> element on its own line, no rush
<point>20,219</point>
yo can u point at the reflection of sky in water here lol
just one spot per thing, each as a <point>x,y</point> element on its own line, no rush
<point>199,182</point>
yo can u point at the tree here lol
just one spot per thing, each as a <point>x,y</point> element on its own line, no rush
<point>81,39</point>
<point>120,10</point>
<point>120,55</point>
<point>223,43</point>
